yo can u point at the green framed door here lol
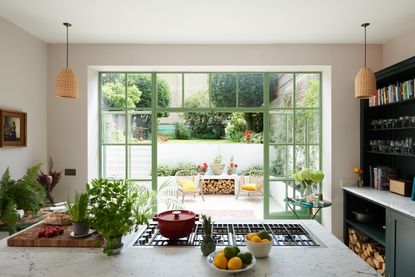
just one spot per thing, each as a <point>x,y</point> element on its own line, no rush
<point>131,104</point>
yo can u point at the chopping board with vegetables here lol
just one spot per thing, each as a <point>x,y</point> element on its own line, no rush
<point>43,235</point>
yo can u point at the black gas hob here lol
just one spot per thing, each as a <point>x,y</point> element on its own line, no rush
<point>284,234</point>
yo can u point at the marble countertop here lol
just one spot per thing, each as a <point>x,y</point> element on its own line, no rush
<point>388,199</point>
<point>333,259</point>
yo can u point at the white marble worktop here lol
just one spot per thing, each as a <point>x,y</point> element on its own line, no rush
<point>385,198</point>
<point>334,259</point>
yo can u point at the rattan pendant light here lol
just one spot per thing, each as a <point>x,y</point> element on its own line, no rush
<point>67,82</point>
<point>365,81</point>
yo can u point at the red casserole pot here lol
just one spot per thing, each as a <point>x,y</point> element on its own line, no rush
<point>176,224</point>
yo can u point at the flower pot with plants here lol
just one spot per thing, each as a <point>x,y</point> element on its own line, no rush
<point>307,181</point>
<point>78,211</point>
<point>49,180</point>
<point>116,208</point>
<point>25,194</point>
<point>217,165</point>
<point>202,169</point>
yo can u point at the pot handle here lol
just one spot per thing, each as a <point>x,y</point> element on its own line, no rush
<point>197,217</point>
<point>155,218</point>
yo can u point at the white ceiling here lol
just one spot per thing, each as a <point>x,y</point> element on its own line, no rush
<point>212,21</point>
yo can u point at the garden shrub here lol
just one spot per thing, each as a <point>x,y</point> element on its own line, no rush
<point>183,166</point>
<point>182,132</point>
<point>204,124</point>
<point>236,127</point>
<point>253,167</point>
<point>164,170</point>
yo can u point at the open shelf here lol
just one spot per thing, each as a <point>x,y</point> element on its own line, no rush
<point>393,129</point>
<point>391,154</point>
<point>374,232</point>
<point>394,103</point>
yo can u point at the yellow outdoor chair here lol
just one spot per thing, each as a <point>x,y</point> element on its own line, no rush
<point>187,183</point>
<point>251,182</point>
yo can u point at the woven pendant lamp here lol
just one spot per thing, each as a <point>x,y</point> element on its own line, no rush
<point>365,81</point>
<point>67,82</point>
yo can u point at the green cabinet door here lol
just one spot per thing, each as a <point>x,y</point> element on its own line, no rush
<point>402,246</point>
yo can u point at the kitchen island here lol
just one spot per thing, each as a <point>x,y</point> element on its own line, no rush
<point>332,258</point>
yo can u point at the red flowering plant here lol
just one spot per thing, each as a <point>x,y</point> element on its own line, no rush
<point>49,180</point>
<point>202,169</point>
<point>247,136</point>
<point>232,168</point>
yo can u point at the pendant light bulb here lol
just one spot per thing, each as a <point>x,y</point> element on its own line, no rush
<point>365,81</point>
<point>67,82</point>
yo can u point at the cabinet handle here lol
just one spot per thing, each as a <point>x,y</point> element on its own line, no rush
<point>384,226</point>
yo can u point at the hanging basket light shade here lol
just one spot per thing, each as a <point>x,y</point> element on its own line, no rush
<point>66,81</point>
<point>67,84</point>
<point>364,84</point>
<point>365,81</point>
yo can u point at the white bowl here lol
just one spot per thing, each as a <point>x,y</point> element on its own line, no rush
<point>213,266</point>
<point>259,249</point>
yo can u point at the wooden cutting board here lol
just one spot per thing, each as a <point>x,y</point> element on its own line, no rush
<point>28,238</point>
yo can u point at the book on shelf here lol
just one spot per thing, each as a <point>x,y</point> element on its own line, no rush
<point>400,91</point>
<point>380,176</point>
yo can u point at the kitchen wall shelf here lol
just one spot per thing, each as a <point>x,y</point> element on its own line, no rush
<point>377,233</point>
<point>404,163</point>
<point>392,129</point>
<point>391,154</point>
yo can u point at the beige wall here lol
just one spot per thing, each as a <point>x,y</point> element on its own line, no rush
<point>399,49</point>
<point>68,127</point>
<point>23,61</point>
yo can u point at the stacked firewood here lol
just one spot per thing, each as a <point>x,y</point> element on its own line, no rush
<point>371,252</point>
<point>218,186</point>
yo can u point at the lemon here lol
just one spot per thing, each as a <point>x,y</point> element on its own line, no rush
<point>265,240</point>
<point>235,263</point>
<point>220,261</point>
<point>250,235</point>
<point>222,252</point>
<point>256,239</point>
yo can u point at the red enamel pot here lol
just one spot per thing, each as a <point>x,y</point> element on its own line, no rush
<point>176,224</point>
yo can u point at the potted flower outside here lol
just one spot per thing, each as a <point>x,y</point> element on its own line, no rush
<point>79,214</point>
<point>308,180</point>
<point>232,168</point>
<point>202,169</point>
<point>24,194</point>
<point>116,208</point>
<point>217,165</point>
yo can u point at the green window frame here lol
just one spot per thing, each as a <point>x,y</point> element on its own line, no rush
<point>266,108</point>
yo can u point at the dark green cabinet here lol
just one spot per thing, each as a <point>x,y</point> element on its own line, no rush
<point>401,250</point>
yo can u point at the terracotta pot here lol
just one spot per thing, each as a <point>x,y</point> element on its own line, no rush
<point>176,224</point>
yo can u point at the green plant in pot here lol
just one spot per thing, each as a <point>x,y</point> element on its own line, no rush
<point>78,211</point>
<point>23,194</point>
<point>116,208</point>
<point>208,245</point>
<point>217,165</point>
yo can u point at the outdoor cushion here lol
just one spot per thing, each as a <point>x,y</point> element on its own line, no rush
<point>250,187</point>
<point>188,185</point>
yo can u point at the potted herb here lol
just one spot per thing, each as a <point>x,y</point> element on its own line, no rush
<point>79,214</point>
<point>208,244</point>
<point>23,194</point>
<point>116,207</point>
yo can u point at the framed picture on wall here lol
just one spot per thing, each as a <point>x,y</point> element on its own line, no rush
<point>13,130</point>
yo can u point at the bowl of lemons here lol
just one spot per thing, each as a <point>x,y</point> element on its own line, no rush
<point>231,260</point>
<point>259,244</point>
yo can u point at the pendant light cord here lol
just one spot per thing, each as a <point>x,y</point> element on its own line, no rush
<point>365,46</point>
<point>67,46</point>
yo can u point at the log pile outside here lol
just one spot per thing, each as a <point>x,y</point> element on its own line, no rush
<point>371,252</point>
<point>218,186</point>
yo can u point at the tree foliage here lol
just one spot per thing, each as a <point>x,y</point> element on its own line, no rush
<point>204,125</point>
